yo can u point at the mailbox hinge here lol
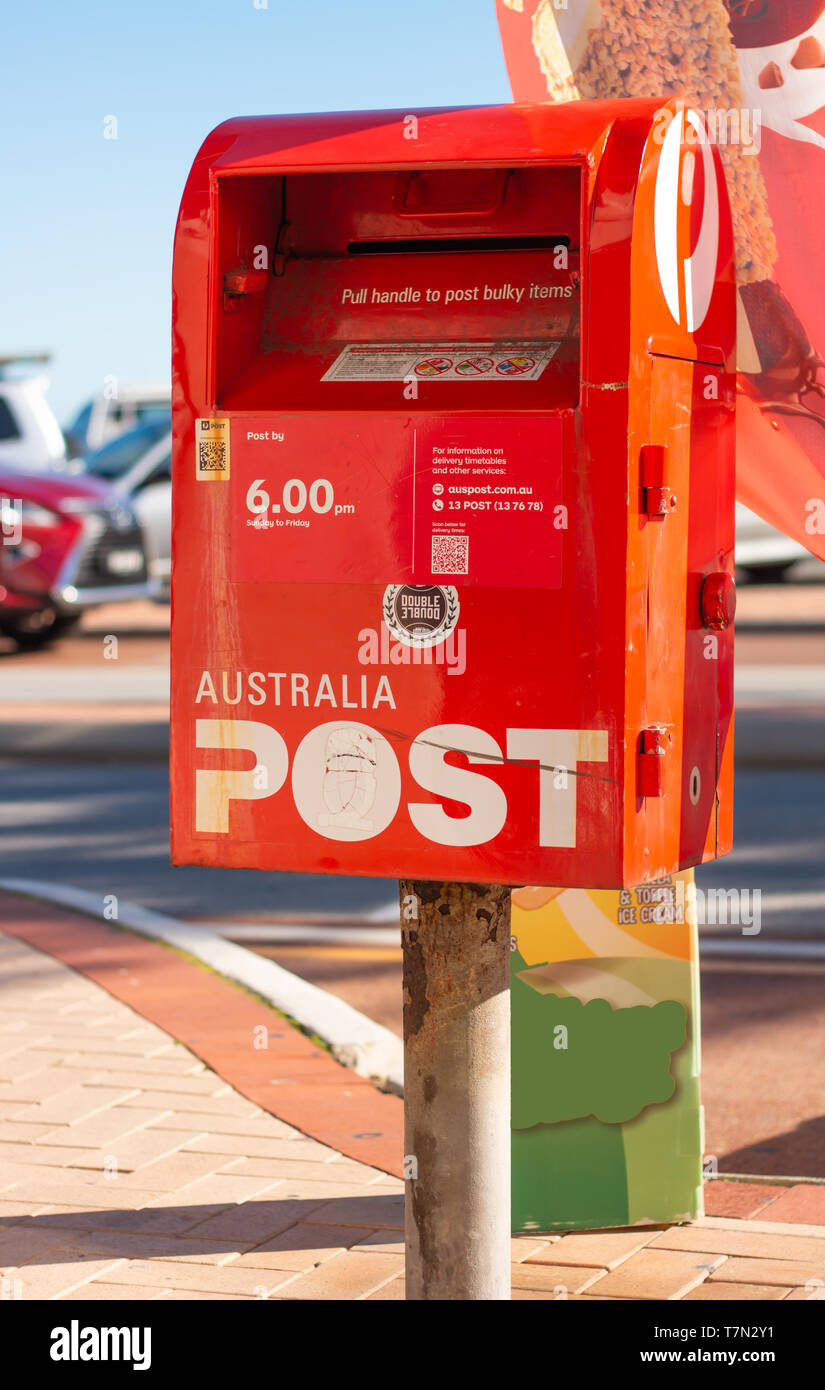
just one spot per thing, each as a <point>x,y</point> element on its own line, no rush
<point>658,499</point>
<point>652,761</point>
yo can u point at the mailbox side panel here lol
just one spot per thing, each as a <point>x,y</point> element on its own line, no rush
<point>681,469</point>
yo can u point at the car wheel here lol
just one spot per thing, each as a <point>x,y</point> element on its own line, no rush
<point>767,574</point>
<point>35,630</point>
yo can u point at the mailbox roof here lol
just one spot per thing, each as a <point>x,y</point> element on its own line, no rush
<point>526,133</point>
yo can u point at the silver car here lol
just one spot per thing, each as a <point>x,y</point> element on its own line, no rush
<point>138,466</point>
<point>765,554</point>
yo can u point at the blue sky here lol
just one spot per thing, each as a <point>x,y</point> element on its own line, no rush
<point>86,231</point>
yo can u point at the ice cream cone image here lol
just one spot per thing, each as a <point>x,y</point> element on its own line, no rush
<point>755,71</point>
<point>530,899</point>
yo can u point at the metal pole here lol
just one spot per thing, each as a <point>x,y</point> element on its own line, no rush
<point>456,940</point>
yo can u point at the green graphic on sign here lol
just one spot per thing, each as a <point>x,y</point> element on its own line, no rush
<point>606,1121</point>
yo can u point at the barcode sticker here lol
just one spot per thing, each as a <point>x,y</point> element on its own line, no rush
<point>211,449</point>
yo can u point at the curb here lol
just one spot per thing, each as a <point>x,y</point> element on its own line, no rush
<point>86,741</point>
<point>750,948</point>
<point>354,1040</point>
<point>770,737</point>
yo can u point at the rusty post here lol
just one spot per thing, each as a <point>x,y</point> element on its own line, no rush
<point>456,941</point>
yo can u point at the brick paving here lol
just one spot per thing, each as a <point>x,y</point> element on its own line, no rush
<point>132,1169</point>
<point>290,1077</point>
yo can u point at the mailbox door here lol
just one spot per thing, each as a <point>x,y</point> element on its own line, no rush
<point>689,665</point>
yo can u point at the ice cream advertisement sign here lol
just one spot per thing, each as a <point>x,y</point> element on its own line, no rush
<point>753,73</point>
<point>606,1121</point>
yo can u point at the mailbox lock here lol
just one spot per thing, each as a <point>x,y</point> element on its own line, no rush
<point>237,284</point>
<point>658,497</point>
<point>695,786</point>
<point>718,601</point>
<point>652,761</point>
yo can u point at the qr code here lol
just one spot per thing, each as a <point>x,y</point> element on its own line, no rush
<point>450,555</point>
<point>212,455</point>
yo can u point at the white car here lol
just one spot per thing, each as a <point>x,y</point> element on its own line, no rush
<point>105,417</point>
<point>138,466</point>
<point>764,553</point>
<point>31,441</point>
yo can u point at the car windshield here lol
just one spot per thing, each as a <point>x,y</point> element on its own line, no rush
<point>118,456</point>
<point>149,412</point>
<point>9,428</point>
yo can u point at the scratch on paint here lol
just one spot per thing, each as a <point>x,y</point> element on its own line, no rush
<point>499,758</point>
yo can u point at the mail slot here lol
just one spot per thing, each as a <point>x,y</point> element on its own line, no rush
<point>453,412</point>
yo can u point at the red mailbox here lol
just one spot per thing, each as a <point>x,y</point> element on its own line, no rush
<point>453,416</point>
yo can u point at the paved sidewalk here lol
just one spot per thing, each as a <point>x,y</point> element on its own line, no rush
<point>130,1169</point>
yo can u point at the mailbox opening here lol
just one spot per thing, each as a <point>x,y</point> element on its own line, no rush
<point>396,289</point>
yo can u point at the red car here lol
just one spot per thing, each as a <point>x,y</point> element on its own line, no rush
<point>67,543</point>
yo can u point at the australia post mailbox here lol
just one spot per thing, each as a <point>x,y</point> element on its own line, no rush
<point>453,495</point>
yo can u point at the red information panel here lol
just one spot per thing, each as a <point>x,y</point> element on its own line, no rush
<point>374,498</point>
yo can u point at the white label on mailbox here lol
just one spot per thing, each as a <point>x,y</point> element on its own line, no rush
<point>441,362</point>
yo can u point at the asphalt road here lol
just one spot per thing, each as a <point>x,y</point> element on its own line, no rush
<point>104,828</point>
